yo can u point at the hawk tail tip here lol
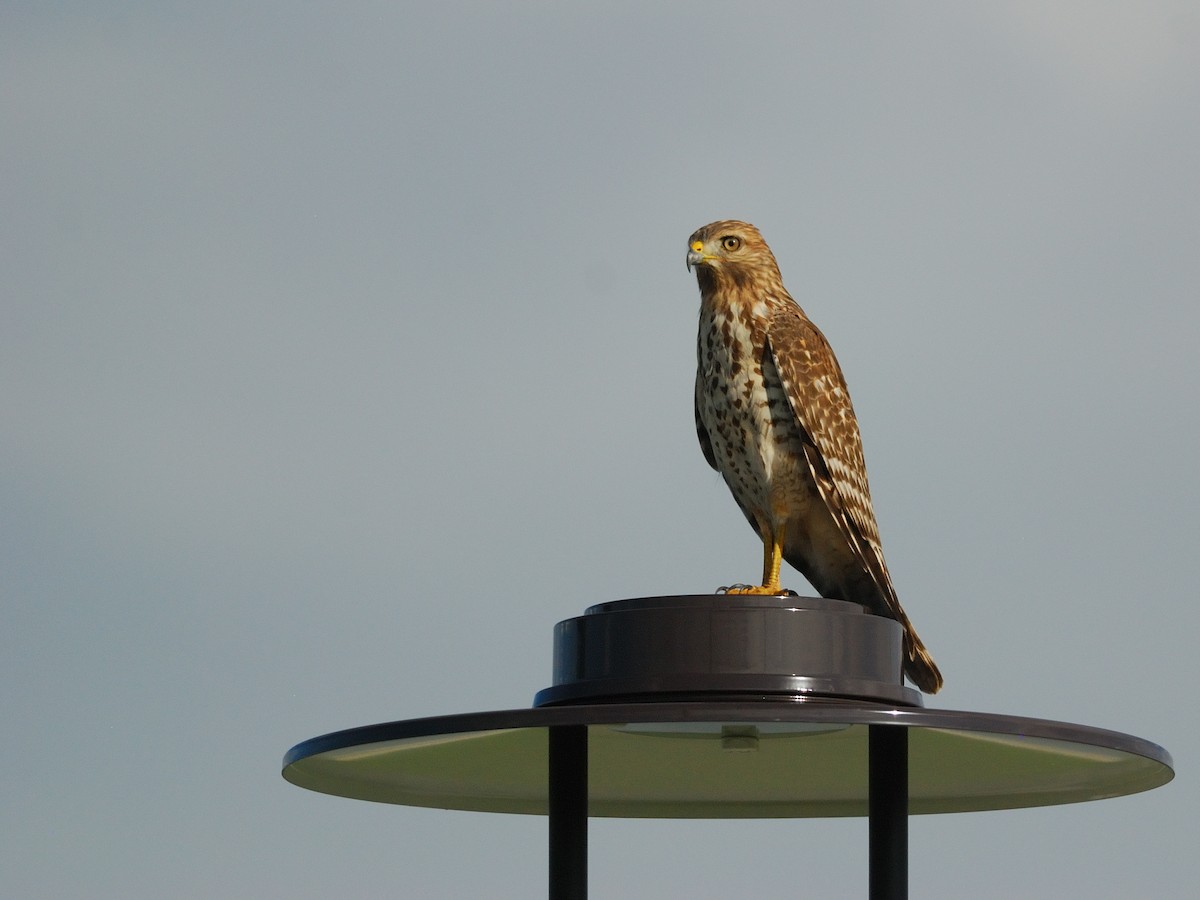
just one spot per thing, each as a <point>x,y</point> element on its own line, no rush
<point>919,665</point>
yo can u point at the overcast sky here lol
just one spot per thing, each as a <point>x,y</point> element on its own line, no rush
<point>346,348</point>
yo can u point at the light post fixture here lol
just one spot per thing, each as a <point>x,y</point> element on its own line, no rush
<point>727,707</point>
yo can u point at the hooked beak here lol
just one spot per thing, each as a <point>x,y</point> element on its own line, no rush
<point>694,258</point>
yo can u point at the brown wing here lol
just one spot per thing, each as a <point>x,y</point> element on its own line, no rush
<point>702,432</point>
<point>816,390</point>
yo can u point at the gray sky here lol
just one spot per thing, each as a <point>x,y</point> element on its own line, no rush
<point>345,350</point>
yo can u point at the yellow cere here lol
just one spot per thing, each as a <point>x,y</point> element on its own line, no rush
<point>698,246</point>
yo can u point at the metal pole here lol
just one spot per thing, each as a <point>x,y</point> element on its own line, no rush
<point>888,811</point>
<point>568,810</point>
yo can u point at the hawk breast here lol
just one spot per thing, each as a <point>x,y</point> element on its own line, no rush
<point>741,402</point>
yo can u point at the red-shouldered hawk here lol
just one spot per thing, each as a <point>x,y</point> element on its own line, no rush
<point>774,418</point>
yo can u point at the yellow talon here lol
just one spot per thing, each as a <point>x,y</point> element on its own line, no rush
<point>772,559</point>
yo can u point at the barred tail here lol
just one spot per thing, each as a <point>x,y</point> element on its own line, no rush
<point>918,664</point>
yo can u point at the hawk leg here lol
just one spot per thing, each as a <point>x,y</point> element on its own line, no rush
<point>772,558</point>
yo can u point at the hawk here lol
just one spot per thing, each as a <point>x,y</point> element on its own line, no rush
<point>774,418</point>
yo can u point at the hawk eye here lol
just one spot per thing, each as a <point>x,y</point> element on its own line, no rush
<point>731,243</point>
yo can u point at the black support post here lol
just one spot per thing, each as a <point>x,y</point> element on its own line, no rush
<point>568,811</point>
<point>888,811</point>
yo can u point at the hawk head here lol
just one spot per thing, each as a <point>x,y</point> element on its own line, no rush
<point>730,251</point>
